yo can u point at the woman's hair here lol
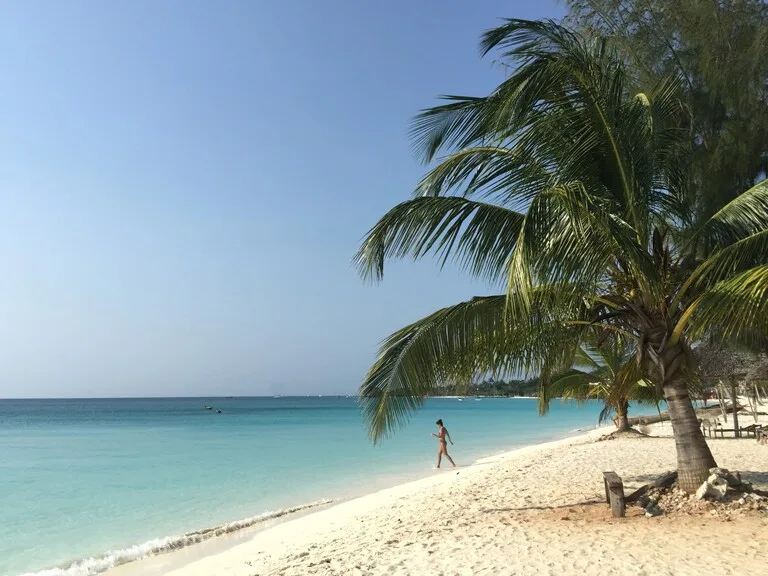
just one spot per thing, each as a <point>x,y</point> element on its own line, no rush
<point>439,422</point>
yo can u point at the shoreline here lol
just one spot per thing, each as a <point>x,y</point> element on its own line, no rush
<point>157,547</point>
<point>539,509</point>
<point>190,512</point>
<point>151,557</point>
<point>284,540</point>
<point>164,555</point>
<point>332,511</point>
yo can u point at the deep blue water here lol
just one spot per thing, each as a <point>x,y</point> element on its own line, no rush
<point>80,478</point>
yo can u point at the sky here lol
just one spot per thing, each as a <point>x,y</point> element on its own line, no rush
<point>183,185</point>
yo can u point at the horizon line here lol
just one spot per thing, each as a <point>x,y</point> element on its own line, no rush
<point>228,396</point>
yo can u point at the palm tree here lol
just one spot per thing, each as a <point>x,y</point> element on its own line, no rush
<point>607,372</point>
<point>576,196</point>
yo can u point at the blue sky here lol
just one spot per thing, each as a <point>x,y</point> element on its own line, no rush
<point>183,185</point>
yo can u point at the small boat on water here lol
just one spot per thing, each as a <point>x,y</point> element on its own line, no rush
<point>208,407</point>
<point>218,411</point>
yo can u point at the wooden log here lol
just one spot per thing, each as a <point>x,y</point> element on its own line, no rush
<point>664,481</point>
<point>644,420</point>
<point>614,493</point>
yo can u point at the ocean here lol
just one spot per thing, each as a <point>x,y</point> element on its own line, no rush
<point>89,484</point>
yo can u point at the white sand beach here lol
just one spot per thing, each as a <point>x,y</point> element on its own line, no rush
<point>537,510</point>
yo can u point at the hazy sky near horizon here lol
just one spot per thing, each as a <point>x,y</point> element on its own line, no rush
<point>183,185</point>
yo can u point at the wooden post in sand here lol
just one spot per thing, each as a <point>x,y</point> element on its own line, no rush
<point>614,493</point>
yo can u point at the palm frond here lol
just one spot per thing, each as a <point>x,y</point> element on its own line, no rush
<point>450,345</point>
<point>587,357</point>
<point>745,215</point>
<point>628,383</point>
<point>574,385</point>
<point>463,122</point>
<point>615,378</point>
<point>606,413</point>
<point>456,344</point>
<point>509,174</point>
<point>737,257</point>
<point>518,37</point>
<point>480,237</point>
<point>736,307</point>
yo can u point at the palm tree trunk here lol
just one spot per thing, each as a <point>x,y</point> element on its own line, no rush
<point>694,458</point>
<point>622,422</point>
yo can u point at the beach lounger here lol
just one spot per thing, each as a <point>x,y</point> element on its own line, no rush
<point>707,426</point>
<point>754,430</point>
<point>743,432</point>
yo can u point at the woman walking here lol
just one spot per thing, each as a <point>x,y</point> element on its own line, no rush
<point>443,435</point>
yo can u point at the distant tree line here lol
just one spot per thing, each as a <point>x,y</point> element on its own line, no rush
<point>492,387</point>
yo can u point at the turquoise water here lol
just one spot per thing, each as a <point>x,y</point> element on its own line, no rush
<point>85,484</point>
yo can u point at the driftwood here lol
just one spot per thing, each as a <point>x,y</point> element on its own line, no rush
<point>643,420</point>
<point>663,481</point>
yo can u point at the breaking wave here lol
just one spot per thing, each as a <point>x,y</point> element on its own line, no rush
<point>96,565</point>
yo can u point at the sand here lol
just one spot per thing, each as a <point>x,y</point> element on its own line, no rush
<point>538,510</point>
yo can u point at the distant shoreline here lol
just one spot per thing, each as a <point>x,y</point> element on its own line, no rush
<point>479,396</point>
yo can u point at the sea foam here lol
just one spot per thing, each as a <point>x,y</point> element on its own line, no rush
<point>96,565</point>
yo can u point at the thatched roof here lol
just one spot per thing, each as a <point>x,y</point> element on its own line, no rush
<point>716,362</point>
<point>759,370</point>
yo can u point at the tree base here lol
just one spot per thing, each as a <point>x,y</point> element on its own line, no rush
<point>629,433</point>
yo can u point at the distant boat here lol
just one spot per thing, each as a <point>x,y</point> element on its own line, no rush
<point>460,399</point>
<point>218,411</point>
<point>208,407</point>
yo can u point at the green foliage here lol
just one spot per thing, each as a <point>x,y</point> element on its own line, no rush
<point>720,48</point>
<point>607,372</point>
<point>574,189</point>
<point>494,388</point>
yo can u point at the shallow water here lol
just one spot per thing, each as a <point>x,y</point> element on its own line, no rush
<point>99,482</point>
